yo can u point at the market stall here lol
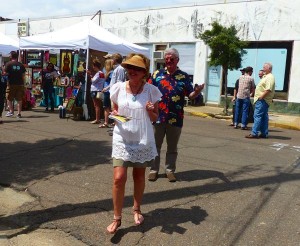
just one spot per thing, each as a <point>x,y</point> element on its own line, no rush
<point>81,39</point>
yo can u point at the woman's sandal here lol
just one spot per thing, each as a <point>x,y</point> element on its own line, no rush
<point>113,227</point>
<point>104,126</point>
<point>138,217</point>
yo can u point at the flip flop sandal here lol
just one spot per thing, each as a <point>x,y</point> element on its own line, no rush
<point>137,214</point>
<point>115,224</point>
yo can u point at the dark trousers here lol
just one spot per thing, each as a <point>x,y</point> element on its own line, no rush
<point>48,94</point>
<point>2,96</point>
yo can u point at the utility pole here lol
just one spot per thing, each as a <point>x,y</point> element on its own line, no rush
<point>98,13</point>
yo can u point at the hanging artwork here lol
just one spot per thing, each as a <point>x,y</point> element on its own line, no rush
<point>66,62</point>
<point>28,77</point>
<point>36,76</point>
<point>64,81</point>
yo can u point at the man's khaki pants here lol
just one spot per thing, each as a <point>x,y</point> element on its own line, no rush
<point>172,134</point>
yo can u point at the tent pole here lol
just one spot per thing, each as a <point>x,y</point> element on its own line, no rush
<point>84,105</point>
<point>86,74</point>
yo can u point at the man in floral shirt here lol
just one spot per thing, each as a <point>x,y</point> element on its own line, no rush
<point>174,84</point>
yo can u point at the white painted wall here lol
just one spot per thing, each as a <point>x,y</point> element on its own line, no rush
<point>294,86</point>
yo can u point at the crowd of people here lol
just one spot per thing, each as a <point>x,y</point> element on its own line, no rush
<point>154,110</point>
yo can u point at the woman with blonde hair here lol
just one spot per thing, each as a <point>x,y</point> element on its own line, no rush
<point>109,67</point>
<point>133,141</point>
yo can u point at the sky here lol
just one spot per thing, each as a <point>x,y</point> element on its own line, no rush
<point>24,9</point>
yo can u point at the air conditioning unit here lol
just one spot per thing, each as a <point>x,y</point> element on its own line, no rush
<point>158,55</point>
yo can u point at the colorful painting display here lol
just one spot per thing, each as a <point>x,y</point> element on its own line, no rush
<point>66,62</point>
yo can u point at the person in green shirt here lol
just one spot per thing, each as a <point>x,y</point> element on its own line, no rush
<point>263,97</point>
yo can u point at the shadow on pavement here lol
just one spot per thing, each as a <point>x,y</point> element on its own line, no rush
<point>29,221</point>
<point>168,219</point>
<point>193,175</point>
<point>23,162</point>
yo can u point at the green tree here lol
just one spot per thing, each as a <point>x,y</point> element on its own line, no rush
<point>227,50</point>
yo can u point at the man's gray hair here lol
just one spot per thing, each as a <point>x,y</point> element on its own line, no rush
<point>172,51</point>
<point>269,64</point>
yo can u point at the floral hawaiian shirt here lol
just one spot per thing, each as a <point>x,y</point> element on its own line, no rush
<point>174,88</point>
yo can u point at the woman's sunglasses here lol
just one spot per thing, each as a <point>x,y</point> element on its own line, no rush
<point>135,68</point>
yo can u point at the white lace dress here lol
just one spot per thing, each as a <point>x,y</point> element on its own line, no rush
<point>134,140</point>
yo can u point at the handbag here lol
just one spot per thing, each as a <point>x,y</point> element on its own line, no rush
<point>100,95</point>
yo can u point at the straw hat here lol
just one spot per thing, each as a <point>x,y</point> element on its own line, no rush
<point>135,61</point>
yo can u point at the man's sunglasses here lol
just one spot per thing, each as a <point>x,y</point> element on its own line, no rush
<point>170,59</point>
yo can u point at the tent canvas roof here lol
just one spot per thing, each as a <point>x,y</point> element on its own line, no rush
<point>7,44</point>
<point>83,35</point>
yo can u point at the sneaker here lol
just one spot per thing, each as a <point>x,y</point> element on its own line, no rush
<point>171,177</point>
<point>9,114</point>
<point>19,116</point>
<point>152,176</point>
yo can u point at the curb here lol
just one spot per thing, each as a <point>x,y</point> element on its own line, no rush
<point>218,116</point>
<point>285,126</point>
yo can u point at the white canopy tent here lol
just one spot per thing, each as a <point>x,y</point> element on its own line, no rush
<point>83,35</point>
<point>7,44</point>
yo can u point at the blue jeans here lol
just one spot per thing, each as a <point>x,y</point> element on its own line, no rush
<point>48,94</point>
<point>241,105</point>
<point>261,118</point>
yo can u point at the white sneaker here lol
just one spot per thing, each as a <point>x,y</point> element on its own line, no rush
<point>9,114</point>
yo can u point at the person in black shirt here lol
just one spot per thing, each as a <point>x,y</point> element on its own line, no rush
<point>15,87</point>
<point>48,76</point>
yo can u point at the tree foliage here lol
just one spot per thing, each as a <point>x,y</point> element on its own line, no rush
<point>226,47</point>
<point>227,50</point>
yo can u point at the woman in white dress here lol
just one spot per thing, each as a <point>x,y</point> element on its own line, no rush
<point>133,141</point>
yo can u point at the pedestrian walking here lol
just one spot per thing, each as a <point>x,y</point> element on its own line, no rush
<point>133,141</point>
<point>174,85</point>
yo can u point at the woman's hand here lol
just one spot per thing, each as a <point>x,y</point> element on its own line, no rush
<point>152,110</point>
<point>114,112</point>
<point>149,106</point>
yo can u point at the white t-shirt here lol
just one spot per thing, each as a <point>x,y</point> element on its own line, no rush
<point>98,81</point>
<point>134,140</point>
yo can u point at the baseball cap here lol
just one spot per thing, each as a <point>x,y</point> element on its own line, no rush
<point>108,56</point>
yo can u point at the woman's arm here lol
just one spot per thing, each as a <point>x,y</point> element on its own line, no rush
<point>152,110</point>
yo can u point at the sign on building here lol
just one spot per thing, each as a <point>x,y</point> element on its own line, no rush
<point>22,29</point>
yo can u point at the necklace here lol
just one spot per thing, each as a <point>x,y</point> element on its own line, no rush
<point>134,95</point>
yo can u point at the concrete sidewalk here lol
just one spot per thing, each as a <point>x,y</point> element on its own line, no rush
<point>275,120</point>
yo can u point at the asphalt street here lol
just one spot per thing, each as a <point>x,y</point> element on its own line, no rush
<point>56,181</point>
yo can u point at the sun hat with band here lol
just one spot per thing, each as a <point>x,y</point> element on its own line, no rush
<point>135,61</point>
